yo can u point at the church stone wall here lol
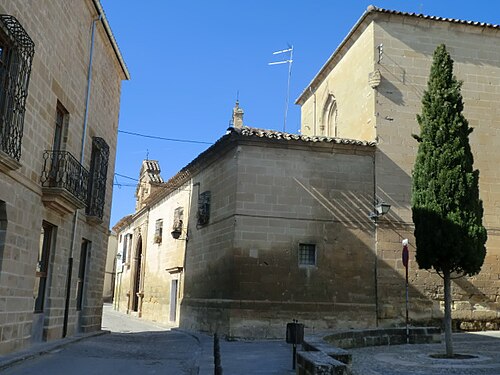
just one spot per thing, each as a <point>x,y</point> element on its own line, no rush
<point>408,48</point>
<point>285,196</point>
<point>352,111</point>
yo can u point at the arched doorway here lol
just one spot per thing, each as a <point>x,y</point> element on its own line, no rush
<point>137,275</point>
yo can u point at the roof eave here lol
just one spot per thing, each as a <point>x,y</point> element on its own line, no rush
<point>315,81</point>
<point>111,38</point>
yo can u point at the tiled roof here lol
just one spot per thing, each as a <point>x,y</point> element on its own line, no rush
<point>233,134</point>
<point>372,8</point>
<point>273,134</point>
<point>122,222</point>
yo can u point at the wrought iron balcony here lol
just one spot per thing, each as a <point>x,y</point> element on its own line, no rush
<point>64,181</point>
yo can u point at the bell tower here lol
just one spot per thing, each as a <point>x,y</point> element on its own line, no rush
<point>149,181</point>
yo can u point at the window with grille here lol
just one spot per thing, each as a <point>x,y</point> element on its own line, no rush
<point>307,254</point>
<point>96,193</point>
<point>16,56</point>
<point>47,236</point>
<point>158,231</point>
<point>125,248</point>
<point>203,213</point>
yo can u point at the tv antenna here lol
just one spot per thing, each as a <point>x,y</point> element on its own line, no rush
<point>288,61</point>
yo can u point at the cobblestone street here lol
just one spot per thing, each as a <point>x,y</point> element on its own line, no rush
<point>136,346</point>
<point>133,347</point>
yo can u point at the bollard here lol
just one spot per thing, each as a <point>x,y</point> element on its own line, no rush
<point>217,366</point>
<point>294,336</point>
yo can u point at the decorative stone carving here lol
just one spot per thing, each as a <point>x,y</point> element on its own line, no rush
<point>374,79</point>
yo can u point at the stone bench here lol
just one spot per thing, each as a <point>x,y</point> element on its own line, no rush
<point>319,363</point>
<point>384,336</point>
<point>318,345</point>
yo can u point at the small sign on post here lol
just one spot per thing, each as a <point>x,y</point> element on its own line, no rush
<point>405,258</point>
<point>294,336</point>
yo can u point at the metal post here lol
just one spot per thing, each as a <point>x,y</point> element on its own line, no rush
<point>217,365</point>
<point>407,320</point>
<point>406,259</point>
<point>290,60</point>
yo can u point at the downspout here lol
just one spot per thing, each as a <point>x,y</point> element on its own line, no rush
<point>375,229</point>
<point>82,155</point>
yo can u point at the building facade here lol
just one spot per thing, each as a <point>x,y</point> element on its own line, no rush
<point>110,268</point>
<point>282,226</point>
<point>150,261</point>
<point>261,228</point>
<point>61,74</point>
<point>371,89</point>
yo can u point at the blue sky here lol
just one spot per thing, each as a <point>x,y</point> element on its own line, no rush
<point>189,59</point>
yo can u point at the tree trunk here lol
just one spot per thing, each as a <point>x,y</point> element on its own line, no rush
<point>447,313</point>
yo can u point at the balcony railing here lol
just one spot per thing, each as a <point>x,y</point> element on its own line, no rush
<point>63,174</point>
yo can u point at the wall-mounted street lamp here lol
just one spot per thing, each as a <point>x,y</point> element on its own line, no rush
<point>177,232</point>
<point>381,208</point>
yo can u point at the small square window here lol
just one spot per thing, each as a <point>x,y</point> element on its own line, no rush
<point>307,254</point>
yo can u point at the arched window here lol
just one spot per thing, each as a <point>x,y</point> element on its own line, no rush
<point>328,125</point>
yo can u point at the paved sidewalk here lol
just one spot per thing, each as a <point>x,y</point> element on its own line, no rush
<point>38,350</point>
<point>414,359</point>
<point>270,357</point>
<point>260,357</point>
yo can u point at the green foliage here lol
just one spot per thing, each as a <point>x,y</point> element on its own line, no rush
<point>446,208</point>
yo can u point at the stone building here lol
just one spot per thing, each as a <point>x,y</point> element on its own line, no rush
<point>110,268</point>
<point>246,236</point>
<point>150,260</point>
<point>61,74</point>
<point>371,89</point>
<point>282,226</point>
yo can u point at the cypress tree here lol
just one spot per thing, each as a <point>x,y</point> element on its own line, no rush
<point>446,209</point>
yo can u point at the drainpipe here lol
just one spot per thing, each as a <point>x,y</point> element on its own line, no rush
<point>82,155</point>
<point>375,229</point>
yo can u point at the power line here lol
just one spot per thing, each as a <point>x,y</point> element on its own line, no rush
<point>122,175</point>
<point>163,138</point>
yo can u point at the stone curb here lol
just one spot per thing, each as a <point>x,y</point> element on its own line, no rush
<point>38,350</point>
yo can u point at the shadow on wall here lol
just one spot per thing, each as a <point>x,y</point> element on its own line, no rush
<point>265,284</point>
<point>389,90</point>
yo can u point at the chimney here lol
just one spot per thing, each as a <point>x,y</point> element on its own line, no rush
<point>237,115</point>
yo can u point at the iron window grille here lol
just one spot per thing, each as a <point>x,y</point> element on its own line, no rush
<point>307,254</point>
<point>124,249</point>
<point>203,213</point>
<point>16,56</point>
<point>47,236</point>
<point>62,170</point>
<point>158,231</point>
<point>96,196</point>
